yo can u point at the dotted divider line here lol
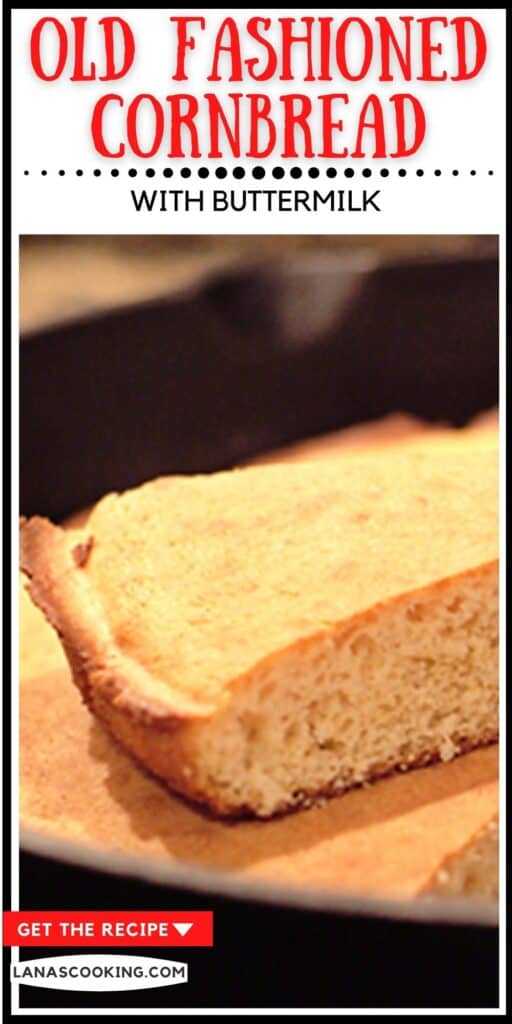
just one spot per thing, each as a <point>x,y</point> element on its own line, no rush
<point>258,173</point>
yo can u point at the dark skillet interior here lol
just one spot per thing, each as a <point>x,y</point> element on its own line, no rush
<point>236,366</point>
<point>247,362</point>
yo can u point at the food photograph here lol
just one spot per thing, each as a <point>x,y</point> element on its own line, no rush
<point>258,620</point>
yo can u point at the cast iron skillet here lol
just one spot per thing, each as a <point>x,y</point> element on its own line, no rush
<point>232,367</point>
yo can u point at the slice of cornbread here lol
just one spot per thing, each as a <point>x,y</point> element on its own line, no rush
<point>472,871</point>
<point>263,636</point>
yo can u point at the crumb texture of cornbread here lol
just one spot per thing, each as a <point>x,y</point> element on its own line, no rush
<point>263,636</point>
<point>473,871</point>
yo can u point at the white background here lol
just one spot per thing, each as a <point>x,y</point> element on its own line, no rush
<point>465,132</point>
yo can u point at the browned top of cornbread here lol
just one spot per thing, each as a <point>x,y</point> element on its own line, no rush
<point>196,580</point>
<point>395,430</point>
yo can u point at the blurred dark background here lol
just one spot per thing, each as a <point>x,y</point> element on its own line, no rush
<point>67,276</point>
<point>144,356</point>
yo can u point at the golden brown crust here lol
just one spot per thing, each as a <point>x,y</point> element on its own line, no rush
<point>155,732</point>
<point>81,552</point>
<point>68,602</point>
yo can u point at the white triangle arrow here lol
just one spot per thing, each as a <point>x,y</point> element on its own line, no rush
<point>181,927</point>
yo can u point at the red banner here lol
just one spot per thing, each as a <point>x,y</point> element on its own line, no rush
<point>108,928</point>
